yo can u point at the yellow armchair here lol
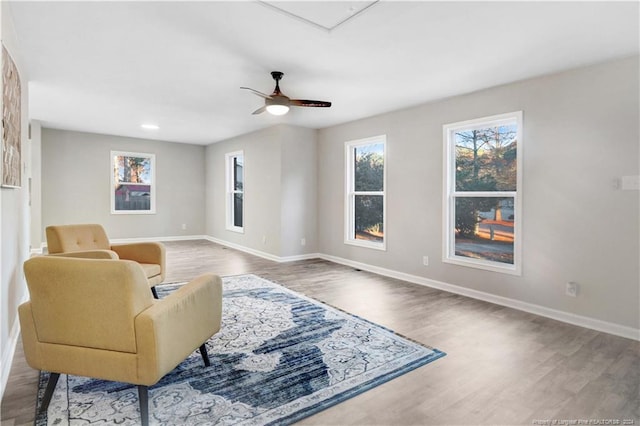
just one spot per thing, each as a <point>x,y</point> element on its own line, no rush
<point>96,318</point>
<point>91,241</point>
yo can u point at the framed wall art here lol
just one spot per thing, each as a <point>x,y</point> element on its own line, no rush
<point>11,123</point>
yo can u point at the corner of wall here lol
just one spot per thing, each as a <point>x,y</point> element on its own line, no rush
<point>14,217</point>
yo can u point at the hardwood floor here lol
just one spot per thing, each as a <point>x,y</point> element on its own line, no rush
<point>502,366</point>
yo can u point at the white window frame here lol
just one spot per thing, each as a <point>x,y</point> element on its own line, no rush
<point>450,194</point>
<point>350,193</point>
<point>230,190</point>
<point>115,182</point>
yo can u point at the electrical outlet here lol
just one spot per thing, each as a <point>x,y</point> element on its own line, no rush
<point>571,289</point>
<point>184,226</point>
<point>425,260</point>
<point>303,242</point>
<point>264,239</point>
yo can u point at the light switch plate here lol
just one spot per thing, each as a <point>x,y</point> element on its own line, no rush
<point>630,183</point>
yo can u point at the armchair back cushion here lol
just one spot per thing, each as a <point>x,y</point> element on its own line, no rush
<point>71,238</point>
<point>62,298</point>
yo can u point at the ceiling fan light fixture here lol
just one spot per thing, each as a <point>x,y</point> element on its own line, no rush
<point>277,109</point>
<point>278,103</point>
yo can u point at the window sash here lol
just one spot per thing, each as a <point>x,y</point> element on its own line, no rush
<point>367,193</point>
<point>233,191</point>
<point>115,182</point>
<point>351,193</point>
<point>480,194</point>
<point>451,194</point>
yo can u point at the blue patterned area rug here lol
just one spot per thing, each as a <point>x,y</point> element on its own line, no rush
<point>278,358</point>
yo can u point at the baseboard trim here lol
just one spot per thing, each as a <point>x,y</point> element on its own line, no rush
<point>300,257</point>
<point>7,356</point>
<point>579,320</point>
<point>262,254</point>
<point>153,239</point>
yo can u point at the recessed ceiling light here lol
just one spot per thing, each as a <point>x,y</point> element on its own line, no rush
<point>150,126</point>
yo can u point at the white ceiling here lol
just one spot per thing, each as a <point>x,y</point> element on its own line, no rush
<point>108,67</point>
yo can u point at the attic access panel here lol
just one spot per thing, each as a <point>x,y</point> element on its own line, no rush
<point>327,15</point>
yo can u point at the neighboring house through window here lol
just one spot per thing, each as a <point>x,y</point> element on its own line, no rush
<point>483,187</point>
<point>235,191</point>
<point>365,210</point>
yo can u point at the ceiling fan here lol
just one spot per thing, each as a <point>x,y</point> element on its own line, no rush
<point>278,104</point>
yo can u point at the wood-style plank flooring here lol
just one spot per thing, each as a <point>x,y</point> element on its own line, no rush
<point>502,366</point>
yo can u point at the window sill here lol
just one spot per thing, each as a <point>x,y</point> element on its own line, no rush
<point>133,212</point>
<point>484,265</point>
<point>366,244</point>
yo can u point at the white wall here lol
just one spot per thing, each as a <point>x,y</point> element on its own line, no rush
<point>298,198</point>
<point>14,221</point>
<point>76,184</point>
<point>580,135</point>
<point>35,198</point>
<point>280,191</point>
<point>261,206</point>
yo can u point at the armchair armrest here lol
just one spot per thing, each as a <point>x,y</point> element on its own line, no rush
<point>171,329</point>
<point>89,254</point>
<point>29,336</point>
<point>148,252</point>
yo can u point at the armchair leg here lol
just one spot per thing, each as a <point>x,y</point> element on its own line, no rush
<point>205,355</point>
<point>155,293</point>
<point>143,397</point>
<point>48,393</point>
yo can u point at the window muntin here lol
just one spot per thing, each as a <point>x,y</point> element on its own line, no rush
<point>235,191</point>
<point>482,217</point>
<point>365,208</point>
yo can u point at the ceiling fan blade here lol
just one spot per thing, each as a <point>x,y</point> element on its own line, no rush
<point>260,110</point>
<point>255,92</point>
<point>309,103</point>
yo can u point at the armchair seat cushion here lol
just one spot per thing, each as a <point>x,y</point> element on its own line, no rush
<point>151,269</point>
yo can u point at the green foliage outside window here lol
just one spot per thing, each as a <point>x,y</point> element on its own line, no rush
<point>369,176</point>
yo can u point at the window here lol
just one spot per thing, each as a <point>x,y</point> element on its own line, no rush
<point>483,186</point>
<point>235,191</point>
<point>132,183</point>
<point>365,192</point>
